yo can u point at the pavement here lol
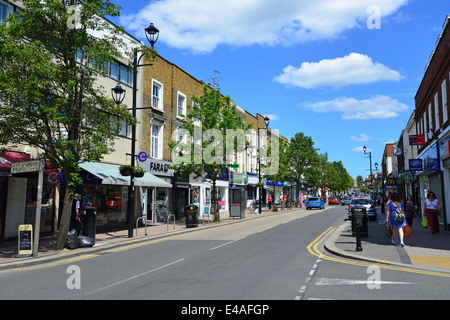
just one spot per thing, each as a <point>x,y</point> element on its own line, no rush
<point>424,250</point>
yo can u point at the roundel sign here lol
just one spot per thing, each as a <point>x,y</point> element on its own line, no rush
<point>142,156</point>
<point>397,151</point>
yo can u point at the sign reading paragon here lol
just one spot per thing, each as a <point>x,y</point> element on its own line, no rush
<point>158,167</point>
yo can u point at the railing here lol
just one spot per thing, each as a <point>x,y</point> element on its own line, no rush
<point>144,221</point>
<point>168,219</point>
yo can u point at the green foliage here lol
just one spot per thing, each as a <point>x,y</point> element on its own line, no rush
<point>50,59</point>
<point>50,99</point>
<point>211,122</point>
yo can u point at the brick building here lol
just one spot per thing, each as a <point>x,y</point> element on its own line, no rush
<point>432,120</point>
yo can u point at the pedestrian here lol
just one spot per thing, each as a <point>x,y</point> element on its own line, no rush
<point>410,210</point>
<point>75,222</point>
<point>431,210</point>
<point>394,203</point>
<point>269,201</point>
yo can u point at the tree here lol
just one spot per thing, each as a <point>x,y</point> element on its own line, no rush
<point>359,181</point>
<point>298,159</point>
<point>214,132</point>
<point>49,99</point>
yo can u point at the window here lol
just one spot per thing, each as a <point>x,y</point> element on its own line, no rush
<point>157,95</point>
<point>114,70</point>
<point>125,130</point>
<point>424,125</point>
<point>444,101</point>
<point>436,111</point>
<point>156,141</point>
<point>5,10</point>
<point>430,118</point>
<point>181,110</point>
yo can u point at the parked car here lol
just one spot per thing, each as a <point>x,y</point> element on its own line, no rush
<point>346,201</point>
<point>315,202</point>
<point>333,201</point>
<point>367,203</point>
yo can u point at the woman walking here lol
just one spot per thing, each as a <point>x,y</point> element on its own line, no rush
<point>410,210</point>
<point>431,211</point>
<point>393,204</point>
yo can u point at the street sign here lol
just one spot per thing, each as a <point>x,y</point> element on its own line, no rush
<point>142,156</point>
<point>28,166</point>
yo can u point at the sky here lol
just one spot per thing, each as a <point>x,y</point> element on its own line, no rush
<point>344,72</point>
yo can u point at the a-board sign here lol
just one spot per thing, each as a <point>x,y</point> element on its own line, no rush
<point>25,240</point>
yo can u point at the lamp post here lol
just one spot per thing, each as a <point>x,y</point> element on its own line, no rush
<point>152,35</point>
<point>370,157</point>
<point>266,122</point>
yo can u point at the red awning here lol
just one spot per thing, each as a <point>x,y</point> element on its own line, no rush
<point>12,157</point>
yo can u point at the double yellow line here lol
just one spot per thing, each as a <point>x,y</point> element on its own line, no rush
<point>313,249</point>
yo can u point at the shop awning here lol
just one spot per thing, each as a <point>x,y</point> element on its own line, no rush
<point>12,157</point>
<point>109,174</point>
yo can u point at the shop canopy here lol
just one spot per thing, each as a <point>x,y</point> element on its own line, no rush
<point>109,174</point>
<point>11,157</point>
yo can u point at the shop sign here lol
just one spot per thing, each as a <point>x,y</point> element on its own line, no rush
<point>416,139</point>
<point>158,167</point>
<point>237,178</point>
<point>445,151</point>
<point>415,165</point>
<point>390,182</point>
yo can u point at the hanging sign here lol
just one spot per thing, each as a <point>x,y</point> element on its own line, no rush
<point>142,156</point>
<point>415,165</point>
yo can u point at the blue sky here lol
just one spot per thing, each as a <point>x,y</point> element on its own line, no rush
<point>344,72</point>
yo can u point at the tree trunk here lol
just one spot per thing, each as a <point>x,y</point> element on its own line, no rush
<point>65,220</point>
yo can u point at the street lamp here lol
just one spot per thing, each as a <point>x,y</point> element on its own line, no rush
<point>152,35</point>
<point>370,157</point>
<point>266,122</point>
<point>118,94</point>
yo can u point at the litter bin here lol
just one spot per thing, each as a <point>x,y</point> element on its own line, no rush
<point>358,214</point>
<point>191,212</point>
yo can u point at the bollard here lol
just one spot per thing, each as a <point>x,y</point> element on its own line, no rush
<point>358,238</point>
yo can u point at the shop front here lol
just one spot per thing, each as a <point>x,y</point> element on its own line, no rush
<point>107,190</point>
<point>157,202</point>
<point>252,190</point>
<point>445,159</point>
<point>430,179</point>
<point>276,190</point>
<point>18,197</point>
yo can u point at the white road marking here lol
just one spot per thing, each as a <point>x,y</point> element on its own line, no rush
<point>340,282</point>
<point>136,276</point>
<point>225,244</point>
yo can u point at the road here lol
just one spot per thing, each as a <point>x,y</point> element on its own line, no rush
<point>277,257</point>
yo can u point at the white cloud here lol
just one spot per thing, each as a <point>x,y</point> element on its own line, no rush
<point>272,117</point>
<point>362,137</point>
<point>378,107</point>
<point>361,149</point>
<point>200,26</point>
<point>349,70</point>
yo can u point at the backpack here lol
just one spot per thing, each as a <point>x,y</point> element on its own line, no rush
<point>399,216</point>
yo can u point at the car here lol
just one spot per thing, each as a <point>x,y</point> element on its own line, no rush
<point>367,203</point>
<point>315,202</point>
<point>346,201</point>
<point>333,201</point>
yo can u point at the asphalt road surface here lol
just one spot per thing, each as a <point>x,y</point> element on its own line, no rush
<point>277,257</point>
